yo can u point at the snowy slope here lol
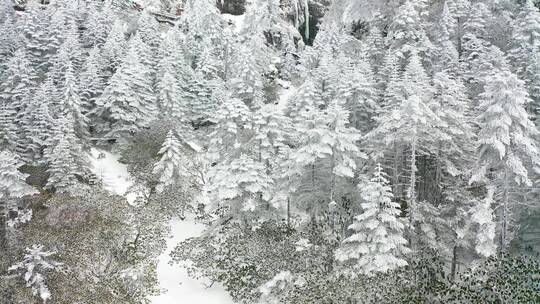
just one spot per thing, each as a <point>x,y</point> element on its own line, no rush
<point>180,288</point>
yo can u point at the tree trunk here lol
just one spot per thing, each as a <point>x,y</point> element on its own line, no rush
<point>307,18</point>
<point>454,264</point>
<point>3,231</point>
<point>504,213</point>
<point>412,193</point>
<point>395,173</point>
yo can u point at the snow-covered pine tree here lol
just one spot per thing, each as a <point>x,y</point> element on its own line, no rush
<point>358,92</point>
<point>92,80</point>
<point>407,32</point>
<point>98,23</point>
<point>483,218</point>
<point>126,105</point>
<point>16,91</point>
<point>410,124</point>
<point>171,99</point>
<point>64,156</point>
<point>240,187</point>
<point>38,123</point>
<point>172,168</point>
<point>506,143</point>
<point>72,105</point>
<point>147,57</point>
<point>446,49</point>
<point>374,46</point>
<point>234,125</point>
<point>377,243</point>
<point>55,35</point>
<point>8,40</point>
<point>248,81</point>
<point>150,34</point>
<point>12,185</point>
<point>34,32</point>
<point>36,263</point>
<point>525,47</point>
<point>115,47</point>
<point>326,150</point>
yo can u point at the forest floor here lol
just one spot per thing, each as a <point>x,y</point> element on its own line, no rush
<point>179,287</point>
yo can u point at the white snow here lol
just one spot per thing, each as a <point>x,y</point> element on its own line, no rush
<point>180,288</point>
<point>113,174</point>
<point>237,20</point>
<point>286,93</point>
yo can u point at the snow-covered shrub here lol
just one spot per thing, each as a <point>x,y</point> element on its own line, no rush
<point>37,262</point>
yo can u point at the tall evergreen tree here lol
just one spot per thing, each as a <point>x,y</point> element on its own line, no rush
<point>377,243</point>
<point>506,142</point>
<point>172,168</point>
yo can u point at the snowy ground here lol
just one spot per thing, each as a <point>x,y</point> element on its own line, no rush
<point>180,288</point>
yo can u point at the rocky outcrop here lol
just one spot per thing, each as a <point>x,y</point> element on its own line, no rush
<point>233,7</point>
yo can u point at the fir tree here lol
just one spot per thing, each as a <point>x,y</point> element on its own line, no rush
<point>482,216</point>
<point>377,243</point>
<point>92,80</point>
<point>114,47</point>
<point>126,102</point>
<point>506,140</point>
<point>172,167</point>
<point>64,157</point>
<point>72,104</point>
<point>171,98</point>
<point>35,264</point>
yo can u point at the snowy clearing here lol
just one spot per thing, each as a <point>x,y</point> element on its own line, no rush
<point>182,289</point>
<point>173,278</point>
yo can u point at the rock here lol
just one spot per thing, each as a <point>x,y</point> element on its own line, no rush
<point>233,7</point>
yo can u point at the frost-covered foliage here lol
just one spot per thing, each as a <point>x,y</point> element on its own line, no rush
<point>12,181</point>
<point>377,243</point>
<point>34,267</point>
<point>268,123</point>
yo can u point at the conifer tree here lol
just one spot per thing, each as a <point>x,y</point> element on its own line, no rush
<point>64,156</point>
<point>377,243</point>
<point>35,37</point>
<point>411,124</point>
<point>240,186</point>
<point>482,216</point>
<point>98,24</point>
<point>72,105</point>
<point>114,47</point>
<point>92,80</point>
<point>172,166</point>
<point>526,47</point>
<point>12,185</point>
<point>506,142</point>
<point>38,123</point>
<point>126,104</point>
<point>171,98</point>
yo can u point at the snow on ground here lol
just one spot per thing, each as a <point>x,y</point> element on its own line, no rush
<point>237,21</point>
<point>113,174</point>
<point>180,288</point>
<point>286,93</point>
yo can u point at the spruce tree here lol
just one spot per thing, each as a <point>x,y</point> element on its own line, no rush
<point>64,157</point>
<point>505,142</point>
<point>126,105</point>
<point>377,243</point>
<point>92,80</point>
<point>172,168</point>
